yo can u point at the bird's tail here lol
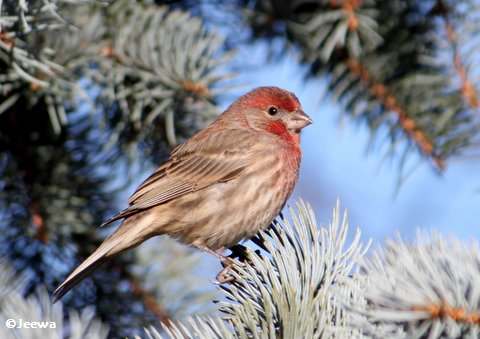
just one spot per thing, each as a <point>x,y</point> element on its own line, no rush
<point>128,235</point>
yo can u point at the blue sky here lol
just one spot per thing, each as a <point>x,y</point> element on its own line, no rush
<point>336,165</point>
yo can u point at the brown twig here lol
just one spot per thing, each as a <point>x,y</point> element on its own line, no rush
<point>107,51</point>
<point>148,299</point>
<point>349,6</point>
<point>457,314</point>
<point>468,90</point>
<point>195,88</point>
<point>41,232</point>
<point>6,39</point>
<point>388,99</point>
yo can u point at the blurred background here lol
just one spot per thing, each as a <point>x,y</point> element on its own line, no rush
<point>94,94</point>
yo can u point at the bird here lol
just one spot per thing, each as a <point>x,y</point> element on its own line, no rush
<point>223,185</point>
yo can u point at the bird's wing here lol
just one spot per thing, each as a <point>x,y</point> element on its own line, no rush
<point>190,168</point>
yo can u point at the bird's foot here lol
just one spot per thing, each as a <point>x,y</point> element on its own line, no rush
<point>225,276</point>
<point>228,262</point>
<point>218,253</point>
<point>239,252</point>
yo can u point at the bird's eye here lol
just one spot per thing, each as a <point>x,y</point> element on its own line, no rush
<point>272,110</point>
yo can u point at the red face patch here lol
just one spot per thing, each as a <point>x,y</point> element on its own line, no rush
<point>264,97</point>
<point>277,127</point>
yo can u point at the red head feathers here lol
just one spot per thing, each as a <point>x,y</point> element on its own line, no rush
<point>263,97</point>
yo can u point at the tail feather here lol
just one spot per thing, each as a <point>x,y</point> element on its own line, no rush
<point>122,215</point>
<point>75,277</point>
<point>128,235</point>
<point>84,269</point>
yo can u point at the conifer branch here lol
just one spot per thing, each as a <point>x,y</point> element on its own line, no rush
<point>296,290</point>
<point>349,6</point>
<point>443,311</point>
<point>383,94</point>
<point>425,289</point>
<point>467,88</point>
<point>38,309</point>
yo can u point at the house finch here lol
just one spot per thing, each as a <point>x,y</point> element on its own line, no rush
<point>224,184</point>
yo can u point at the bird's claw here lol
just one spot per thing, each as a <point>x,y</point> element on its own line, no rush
<point>224,276</point>
<point>230,262</point>
<point>227,261</point>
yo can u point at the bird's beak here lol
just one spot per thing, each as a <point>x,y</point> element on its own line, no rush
<point>298,120</point>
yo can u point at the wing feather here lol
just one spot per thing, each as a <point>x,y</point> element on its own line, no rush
<point>188,171</point>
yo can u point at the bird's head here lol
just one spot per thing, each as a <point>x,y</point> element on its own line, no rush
<point>273,110</point>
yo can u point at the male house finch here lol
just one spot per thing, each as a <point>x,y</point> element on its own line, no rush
<point>224,184</point>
